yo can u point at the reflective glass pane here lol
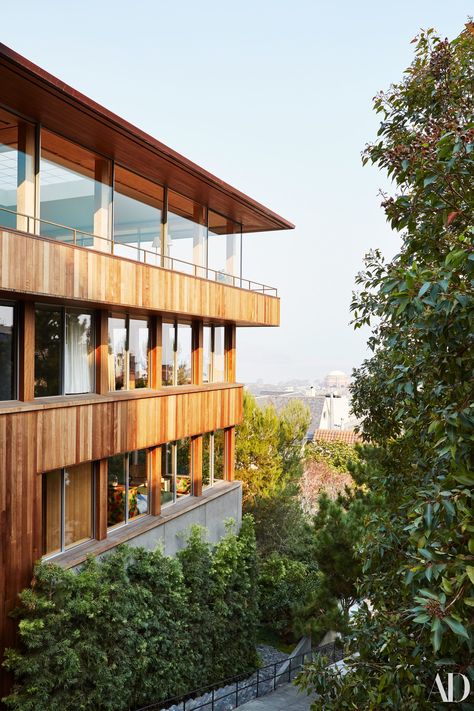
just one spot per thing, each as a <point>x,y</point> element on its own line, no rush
<point>207,354</point>
<point>219,468</point>
<point>16,171</point>
<point>138,205</point>
<point>48,347</point>
<point>167,478</point>
<point>167,354</point>
<point>137,483</point>
<point>207,446</point>
<point>183,467</point>
<point>79,355</point>
<point>224,249</point>
<point>218,356</point>
<point>78,504</point>
<point>7,353</point>
<point>51,507</point>
<point>117,353</point>
<point>117,490</point>
<point>186,235</point>
<point>138,353</point>
<point>183,356</point>
<point>75,192</point>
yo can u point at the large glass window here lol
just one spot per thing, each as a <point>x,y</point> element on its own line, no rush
<point>67,507</point>
<point>79,355</point>
<point>168,488</point>
<point>176,476</point>
<point>213,354</point>
<point>138,205</point>
<point>186,235</point>
<point>75,191</point>
<point>64,351</point>
<point>212,457</point>
<point>224,249</point>
<point>128,353</point>
<point>218,459</point>
<point>128,491</point>
<point>48,342</point>
<point>183,355</point>
<point>176,354</point>
<point>7,352</point>
<point>168,353</point>
<point>16,171</point>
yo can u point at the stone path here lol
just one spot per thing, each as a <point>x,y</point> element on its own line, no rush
<point>286,698</point>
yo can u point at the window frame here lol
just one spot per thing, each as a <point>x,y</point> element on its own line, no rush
<point>148,463</point>
<point>174,472</point>
<point>212,459</point>
<point>62,367</point>
<point>16,351</point>
<point>175,323</point>
<point>128,317</point>
<point>211,380</point>
<point>64,549</point>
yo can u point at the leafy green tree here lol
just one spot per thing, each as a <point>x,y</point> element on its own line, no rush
<point>336,534</point>
<point>269,448</point>
<point>285,586</point>
<point>338,455</point>
<point>415,397</point>
<point>281,526</point>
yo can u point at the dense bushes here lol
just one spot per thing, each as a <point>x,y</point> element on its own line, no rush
<point>285,586</point>
<point>137,627</point>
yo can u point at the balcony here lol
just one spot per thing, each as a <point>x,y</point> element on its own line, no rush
<point>134,252</point>
<point>70,271</point>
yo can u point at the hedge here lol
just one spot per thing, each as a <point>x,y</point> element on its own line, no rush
<point>136,627</point>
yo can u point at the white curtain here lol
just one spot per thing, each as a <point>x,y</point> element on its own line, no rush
<point>78,371</point>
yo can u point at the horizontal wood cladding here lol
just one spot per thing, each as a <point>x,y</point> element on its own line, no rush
<point>41,267</point>
<point>52,437</point>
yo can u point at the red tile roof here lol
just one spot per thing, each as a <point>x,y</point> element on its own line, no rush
<point>347,436</point>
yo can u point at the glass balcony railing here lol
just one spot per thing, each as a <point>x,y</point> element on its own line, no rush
<point>47,229</point>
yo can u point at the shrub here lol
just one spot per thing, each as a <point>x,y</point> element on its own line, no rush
<point>136,627</point>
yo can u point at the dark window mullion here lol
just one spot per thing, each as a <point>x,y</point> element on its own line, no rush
<point>62,354</point>
<point>127,483</point>
<point>63,510</point>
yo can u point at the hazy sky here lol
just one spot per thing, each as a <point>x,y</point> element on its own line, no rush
<point>273,96</point>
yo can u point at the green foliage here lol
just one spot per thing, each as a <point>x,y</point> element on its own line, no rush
<point>415,396</point>
<point>336,534</point>
<point>285,585</point>
<point>281,526</point>
<point>137,626</point>
<point>338,455</point>
<point>269,448</point>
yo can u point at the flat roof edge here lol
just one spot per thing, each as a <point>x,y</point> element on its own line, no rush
<point>270,220</point>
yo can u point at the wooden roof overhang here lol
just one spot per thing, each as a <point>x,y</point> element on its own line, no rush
<point>39,96</point>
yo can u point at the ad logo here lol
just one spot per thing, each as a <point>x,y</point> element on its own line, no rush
<point>447,694</point>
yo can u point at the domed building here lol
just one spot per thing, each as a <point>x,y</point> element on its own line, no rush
<point>336,379</point>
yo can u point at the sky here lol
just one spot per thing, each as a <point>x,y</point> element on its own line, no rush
<point>275,98</point>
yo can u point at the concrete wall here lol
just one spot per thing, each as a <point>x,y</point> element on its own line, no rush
<point>211,513</point>
<point>211,510</point>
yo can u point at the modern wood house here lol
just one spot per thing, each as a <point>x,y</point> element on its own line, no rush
<point>121,290</point>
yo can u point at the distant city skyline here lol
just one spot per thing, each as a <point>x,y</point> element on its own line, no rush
<point>275,98</point>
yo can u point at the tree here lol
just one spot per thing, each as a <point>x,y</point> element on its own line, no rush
<point>415,396</point>
<point>269,448</point>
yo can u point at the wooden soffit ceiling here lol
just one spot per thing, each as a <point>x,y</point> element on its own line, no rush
<point>39,96</point>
